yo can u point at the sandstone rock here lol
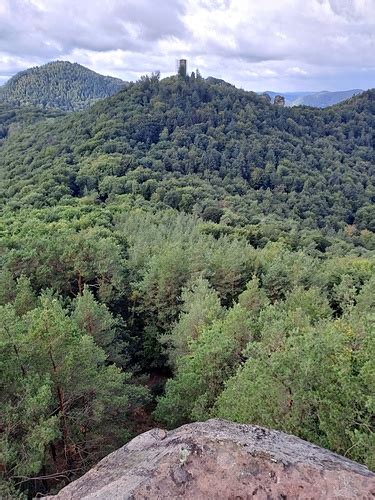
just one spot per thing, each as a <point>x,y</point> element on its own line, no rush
<point>266,98</point>
<point>279,100</point>
<point>222,460</point>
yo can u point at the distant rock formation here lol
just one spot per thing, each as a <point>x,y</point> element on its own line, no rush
<point>266,98</point>
<point>279,100</point>
<point>221,460</point>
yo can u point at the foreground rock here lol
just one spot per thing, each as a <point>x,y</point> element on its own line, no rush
<point>222,460</point>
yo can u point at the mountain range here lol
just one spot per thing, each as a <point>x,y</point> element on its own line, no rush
<point>320,99</point>
<point>72,87</point>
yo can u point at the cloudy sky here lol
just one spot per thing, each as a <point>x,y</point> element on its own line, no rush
<point>256,44</point>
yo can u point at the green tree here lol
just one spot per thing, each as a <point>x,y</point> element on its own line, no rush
<point>94,319</point>
<point>61,397</point>
<point>314,382</point>
<point>25,298</point>
<point>201,374</point>
<point>201,306</point>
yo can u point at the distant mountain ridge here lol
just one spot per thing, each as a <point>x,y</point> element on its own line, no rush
<point>72,87</point>
<point>320,99</point>
<point>60,85</point>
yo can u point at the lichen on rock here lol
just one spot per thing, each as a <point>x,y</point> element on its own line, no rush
<point>219,459</point>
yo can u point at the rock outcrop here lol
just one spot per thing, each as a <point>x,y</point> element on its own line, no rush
<point>279,100</point>
<point>222,460</point>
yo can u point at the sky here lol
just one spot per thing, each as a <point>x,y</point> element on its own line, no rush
<point>282,45</point>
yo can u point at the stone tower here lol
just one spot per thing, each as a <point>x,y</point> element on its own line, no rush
<point>182,68</point>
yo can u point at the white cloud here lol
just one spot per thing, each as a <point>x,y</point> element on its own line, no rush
<point>296,70</point>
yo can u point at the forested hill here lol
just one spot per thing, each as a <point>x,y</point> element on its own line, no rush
<point>185,230</point>
<point>59,84</point>
<point>205,148</point>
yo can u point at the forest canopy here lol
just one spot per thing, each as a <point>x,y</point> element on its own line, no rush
<point>183,250</point>
<point>58,85</point>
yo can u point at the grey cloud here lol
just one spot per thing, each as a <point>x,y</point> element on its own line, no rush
<point>348,9</point>
<point>318,37</point>
<point>17,30</point>
<point>156,19</point>
<point>90,24</point>
<point>311,40</point>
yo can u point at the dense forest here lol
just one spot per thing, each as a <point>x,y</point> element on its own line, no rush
<point>13,118</point>
<point>182,250</point>
<point>60,85</point>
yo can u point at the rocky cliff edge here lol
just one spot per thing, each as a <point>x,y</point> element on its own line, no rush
<point>222,460</point>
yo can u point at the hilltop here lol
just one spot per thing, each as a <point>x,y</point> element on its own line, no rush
<point>59,84</point>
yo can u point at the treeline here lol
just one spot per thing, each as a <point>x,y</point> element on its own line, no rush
<point>136,290</point>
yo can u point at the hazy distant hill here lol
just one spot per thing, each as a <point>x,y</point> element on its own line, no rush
<point>316,99</point>
<point>59,84</point>
<point>325,98</point>
<point>290,97</point>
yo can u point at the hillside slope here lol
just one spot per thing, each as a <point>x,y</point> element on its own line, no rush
<point>314,166</point>
<point>13,118</point>
<point>59,84</point>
